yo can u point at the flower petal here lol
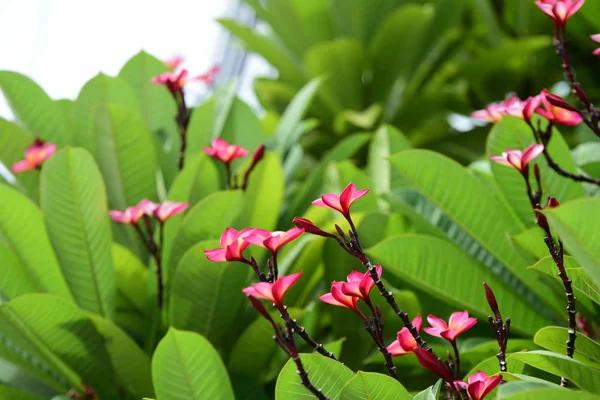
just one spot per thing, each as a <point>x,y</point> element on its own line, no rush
<point>282,285</point>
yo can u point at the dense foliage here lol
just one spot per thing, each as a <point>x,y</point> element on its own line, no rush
<point>150,248</point>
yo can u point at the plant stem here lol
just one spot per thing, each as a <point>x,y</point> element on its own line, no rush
<point>456,359</point>
<point>318,347</point>
<point>371,327</point>
<point>182,119</point>
<point>228,176</point>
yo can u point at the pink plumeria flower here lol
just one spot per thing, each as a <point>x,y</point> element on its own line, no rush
<point>173,82</point>
<point>343,201</point>
<point>168,209</point>
<point>596,38</point>
<point>493,113</point>
<point>480,385</point>
<point>210,76</point>
<point>557,110</point>
<point>405,343</point>
<point>273,241</point>
<point>275,291</point>
<point>513,106</point>
<point>35,155</point>
<point>233,244</point>
<point>148,207</point>
<point>559,10</point>
<point>530,105</point>
<point>458,323</point>
<point>519,159</point>
<point>173,62</point>
<point>435,365</point>
<point>309,227</point>
<point>225,152</point>
<point>360,284</point>
<point>337,298</point>
<point>131,215</point>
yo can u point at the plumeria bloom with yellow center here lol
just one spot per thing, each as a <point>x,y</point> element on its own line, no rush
<point>221,150</point>
<point>557,110</point>
<point>233,243</point>
<point>458,323</point>
<point>168,209</point>
<point>273,241</point>
<point>275,291</point>
<point>519,159</point>
<point>34,156</point>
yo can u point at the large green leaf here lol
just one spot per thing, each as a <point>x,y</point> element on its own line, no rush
<point>418,258</point>
<point>206,220</point>
<point>576,223</point>
<point>100,91</point>
<point>30,263</point>
<point>585,377</point>
<point>514,133</point>
<point>73,199</point>
<point>12,393</point>
<point>325,374</point>
<point>186,367</point>
<point>157,107</point>
<point>206,297</point>
<point>132,287</point>
<point>581,282</point>
<point>553,338</point>
<point>131,365</point>
<point>288,68</point>
<point>263,197</point>
<point>462,207</point>
<point>372,386</point>
<point>125,155</point>
<point>13,142</point>
<point>541,393</point>
<point>311,187</point>
<point>55,341</point>
<point>291,118</point>
<point>341,62</point>
<point>238,125</point>
<point>34,109</point>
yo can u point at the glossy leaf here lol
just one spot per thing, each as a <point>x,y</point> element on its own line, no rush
<point>73,199</point>
<point>585,377</point>
<point>372,386</point>
<point>513,133</point>
<point>461,205</point>
<point>576,224</point>
<point>10,392</point>
<point>328,375</point>
<point>206,297</point>
<point>186,367</point>
<point>417,258</point>
<point>35,111</point>
<point>22,229</point>
<point>553,338</point>
<point>547,394</point>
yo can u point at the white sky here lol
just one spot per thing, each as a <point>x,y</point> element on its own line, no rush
<point>61,44</point>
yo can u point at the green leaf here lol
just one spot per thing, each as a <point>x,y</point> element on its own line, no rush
<point>576,224</point>
<point>132,287</point>
<point>263,197</point>
<point>34,109</point>
<point>372,386</point>
<point>513,133</point>
<point>240,125</point>
<point>288,68</point>
<point>294,113</point>
<point>206,296</point>
<point>73,199</point>
<point>585,377</point>
<point>341,62</point>
<point>206,220</point>
<point>13,142</point>
<point>55,341</point>
<point>130,363</point>
<point>325,374</point>
<point>32,264</point>
<point>553,338</point>
<point>582,283</point>
<point>157,106</point>
<point>531,242</point>
<point>310,189</point>
<point>417,259</point>
<point>186,367</point>
<point>546,394</point>
<point>125,156</point>
<point>12,393</point>
<point>198,179</point>
<point>102,91</point>
<point>587,158</point>
<point>461,205</point>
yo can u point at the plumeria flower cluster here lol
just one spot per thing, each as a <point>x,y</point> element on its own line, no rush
<point>175,81</point>
<point>35,155</point>
<point>559,10</point>
<point>226,153</point>
<point>548,105</point>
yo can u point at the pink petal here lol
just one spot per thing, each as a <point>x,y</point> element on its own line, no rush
<point>406,340</point>
<point>478,376</point>
<point>282,285</point>
<point>596,52</point>
<point>23,165</point>
<point>332,200</point>
<point>216,255</point>
<point>490,384</point>
<point>417,322</point>
<point>338,294</point>
<point>355,276</point>
<point>169,208</point>
<point>329,299</point>
<point>575,7</point>
<point>531,152</point>
<point>119,216</point>
<point>277,241</point>
<point>500,160</point>
<point>349,195</point>
<point>228,237</point>
<point>148,206</point>
<point>596,37</point>
<point>515,161</point>
<point>352,289</point>
<point>396,350</point>
<point>475,390</point>
<point>262,290</point>
<point>457,318</point>
<point>437,325</point>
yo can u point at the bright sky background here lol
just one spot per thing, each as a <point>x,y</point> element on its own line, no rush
<point>61,44</point>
